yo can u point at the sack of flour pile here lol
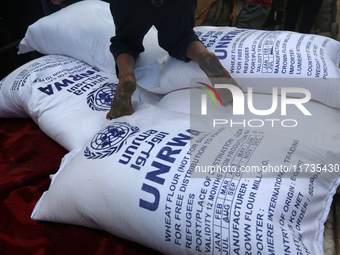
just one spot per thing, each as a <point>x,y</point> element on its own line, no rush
<point>168,181</point>
<point>263,60</point>
<point>66,97</point>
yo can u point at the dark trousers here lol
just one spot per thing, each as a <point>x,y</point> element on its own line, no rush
<point>174,20</point>
<point>252,16</point>
<point>310,10</point>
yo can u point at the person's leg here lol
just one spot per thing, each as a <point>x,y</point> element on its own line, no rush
<point>212,67</point>
<point>252,16</point>
<point>178,38</point>
<point>310,11</point>
<point>176,35</point>
<point>121,104</point>
<point>131,23</point>
<point>293,10</point>
<point>208,61</point>
<point>175,21</point>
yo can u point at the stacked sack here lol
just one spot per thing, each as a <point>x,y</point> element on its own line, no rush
<point>167,178</point>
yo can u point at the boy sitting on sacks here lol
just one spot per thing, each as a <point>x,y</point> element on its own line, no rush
<point>174,20</point>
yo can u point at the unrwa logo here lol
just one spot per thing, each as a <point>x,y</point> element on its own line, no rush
<point>101,99</point>
<point>109,140</point>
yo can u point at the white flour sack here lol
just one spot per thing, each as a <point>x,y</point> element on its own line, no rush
<point>172,183</point>
<point>322,118</point>
<point>87,39</point>
<point>66,97</point>
<point>274,58</point>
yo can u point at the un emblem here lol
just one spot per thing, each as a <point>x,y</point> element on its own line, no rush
<point>109,140</point>
<point>101,98</point>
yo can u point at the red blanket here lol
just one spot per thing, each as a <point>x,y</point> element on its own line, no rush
<point>27,158</point>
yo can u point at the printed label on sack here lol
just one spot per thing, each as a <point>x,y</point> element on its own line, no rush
<point>216,210</point>
<point>73,72</point>
<point>267,52</point>
<point>70,76</point>
<point>224,216</point>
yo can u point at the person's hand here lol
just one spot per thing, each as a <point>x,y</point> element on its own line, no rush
<point>56,1</point>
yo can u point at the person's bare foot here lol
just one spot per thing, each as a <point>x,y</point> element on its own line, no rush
<point>215,71</point>
<point>121,104</point>
<point>212,67</point>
